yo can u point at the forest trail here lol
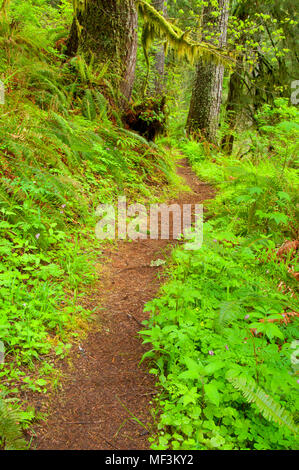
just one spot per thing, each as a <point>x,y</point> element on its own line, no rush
<point>105,380</point>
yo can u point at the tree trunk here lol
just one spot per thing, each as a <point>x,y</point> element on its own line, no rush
<point>203,118</point>
<point>235,88</point>
<point>109,33</point>
<point>160,6</point>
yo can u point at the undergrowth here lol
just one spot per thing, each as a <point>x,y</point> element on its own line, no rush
<point>223,333</point>
<point>63,151</point>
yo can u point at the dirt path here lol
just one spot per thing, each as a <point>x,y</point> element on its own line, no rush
<point>105,379</point>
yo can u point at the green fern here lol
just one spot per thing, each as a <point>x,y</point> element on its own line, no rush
<point>135,137</point>
<point>11,437</point>
<point>270,409</point>
<point>101,105</point>
<point>229,311</point>
<point>88,106</point>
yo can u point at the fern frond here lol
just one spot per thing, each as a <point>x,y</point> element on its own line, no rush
<point>229,311</point>
<point>156,26</point>
<point>270,409</point>
<point>88,106</point>
<point>101,104</point>
<point>134,136</point>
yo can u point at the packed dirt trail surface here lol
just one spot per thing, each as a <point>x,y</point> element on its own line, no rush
<point>105,380</point>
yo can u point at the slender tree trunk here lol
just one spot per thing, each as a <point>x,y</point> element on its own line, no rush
<point>203,118</point>
<point>107,29</point>
<point>160,6</point>
<point>233,106</point>
<point>235,88</point>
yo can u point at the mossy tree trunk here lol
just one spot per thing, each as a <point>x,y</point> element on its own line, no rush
<point>233,106</point>
<point>160,6</point>
<point>107,29</point>
<point>203,118</point>
<point>235,87</point>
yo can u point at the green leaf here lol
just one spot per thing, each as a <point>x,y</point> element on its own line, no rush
<point>212,367</point>
<point>212,393</point>
<point>194,366</point>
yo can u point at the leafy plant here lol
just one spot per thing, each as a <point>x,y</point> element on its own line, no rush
<point>219,344</point>
<point>11,436</point>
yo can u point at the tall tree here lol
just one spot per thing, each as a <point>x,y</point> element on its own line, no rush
<point>206,97</point>
<point>233,106</point>
<point>235,85</point>
<point>107,29</point>
<point>160,6</point>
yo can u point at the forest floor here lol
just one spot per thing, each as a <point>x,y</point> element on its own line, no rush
<point>104,387</point>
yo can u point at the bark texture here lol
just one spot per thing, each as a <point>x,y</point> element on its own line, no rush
<point>203,118</point>
<point>109,32</point>
<point>235,89</point>
<point>160,5</point>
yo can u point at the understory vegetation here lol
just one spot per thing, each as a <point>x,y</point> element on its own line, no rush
<point>224,330</point>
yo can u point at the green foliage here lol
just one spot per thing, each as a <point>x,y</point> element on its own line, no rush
<point>221,353</point>
<point>200,335</point>
<point>266,405</point>
<point>60,156</point>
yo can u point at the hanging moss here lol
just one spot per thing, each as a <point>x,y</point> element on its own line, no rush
<point>157,27</point>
